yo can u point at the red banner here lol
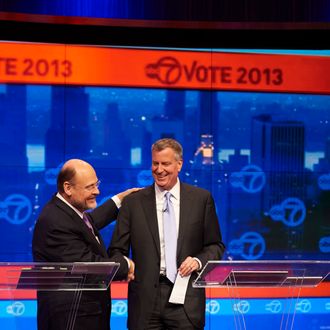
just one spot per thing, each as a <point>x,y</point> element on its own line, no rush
<point>105,66</point>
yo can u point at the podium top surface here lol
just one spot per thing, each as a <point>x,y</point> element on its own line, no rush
<point>263,273</point>
<point>76,276</point>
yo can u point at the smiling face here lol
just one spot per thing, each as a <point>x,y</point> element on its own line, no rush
<point>165,168</point>
<point>81,191</point>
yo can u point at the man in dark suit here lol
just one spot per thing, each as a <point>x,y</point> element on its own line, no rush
<point>64,232</point>
<point>139,227</point>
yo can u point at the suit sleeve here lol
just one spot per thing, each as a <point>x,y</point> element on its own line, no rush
<point>120,243</point>
<point>213,248</point>
<point>104,214</point>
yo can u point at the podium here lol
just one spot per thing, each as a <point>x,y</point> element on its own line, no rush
<point>58,277</point>
<point>291,275</point>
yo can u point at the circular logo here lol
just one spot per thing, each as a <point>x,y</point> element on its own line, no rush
<point>16,209</point>
<point>275,306</point>
<point>119,308</point>
<point>251,179</point>
<point>254,245</point>
<point>17,308</point>
<point>243,307</point>
<point>304,306</point>
<point>167,70</point>
<point>212,307</point>
<point>296,211</point>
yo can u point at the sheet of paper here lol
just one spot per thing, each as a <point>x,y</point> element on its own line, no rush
<point>179,290</point>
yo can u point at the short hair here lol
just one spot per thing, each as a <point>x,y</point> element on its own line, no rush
<point>162,144</point>
<point>66,174</point>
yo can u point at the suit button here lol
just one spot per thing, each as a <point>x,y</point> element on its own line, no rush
<point>155,286</point>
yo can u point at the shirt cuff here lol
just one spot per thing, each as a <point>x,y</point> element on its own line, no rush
<point>199,263</point>
<point>128,264</point>
<point>117,201</point>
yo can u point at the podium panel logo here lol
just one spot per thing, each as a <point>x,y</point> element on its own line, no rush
<point>17,308</point>
<point>119,308</point>
<point>212,307</point>
<point>242,307</point>
<point>304,306</point>
<point>275,307</point>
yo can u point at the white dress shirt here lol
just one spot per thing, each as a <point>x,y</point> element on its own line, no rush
<point>160,200</point>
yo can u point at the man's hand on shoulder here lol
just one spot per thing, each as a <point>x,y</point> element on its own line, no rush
<point>125,193</point>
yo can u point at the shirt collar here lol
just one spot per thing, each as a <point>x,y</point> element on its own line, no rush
<point>175,191</point>
<point>58,195</point>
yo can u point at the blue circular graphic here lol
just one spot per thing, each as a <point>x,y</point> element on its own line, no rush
<point>254,245</point>
<point>251,179</point>
<point>295,212</point>
<point>16,209</point>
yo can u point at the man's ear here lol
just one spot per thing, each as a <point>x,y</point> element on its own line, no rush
<point>180,163</point>
<point>67,188</point>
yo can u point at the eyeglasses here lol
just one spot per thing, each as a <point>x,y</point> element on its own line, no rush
<point>93,186</point>
<point>90,187</point>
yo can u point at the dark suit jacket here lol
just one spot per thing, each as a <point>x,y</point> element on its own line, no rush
<point>60,235</point>
<point>137,228</point>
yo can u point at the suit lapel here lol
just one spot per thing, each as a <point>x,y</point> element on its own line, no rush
<point>185,209</point>
<point>79,223</point>
<point>149,207</point>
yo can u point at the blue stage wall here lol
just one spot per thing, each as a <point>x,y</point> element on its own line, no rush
<point>264,156</point>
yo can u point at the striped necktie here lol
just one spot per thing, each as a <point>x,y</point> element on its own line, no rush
<point>87,222</point>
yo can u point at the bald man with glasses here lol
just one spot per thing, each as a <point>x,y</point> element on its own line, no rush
<point>65,232</point>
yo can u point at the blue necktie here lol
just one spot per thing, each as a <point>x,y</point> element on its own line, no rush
<point>170,238</point>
